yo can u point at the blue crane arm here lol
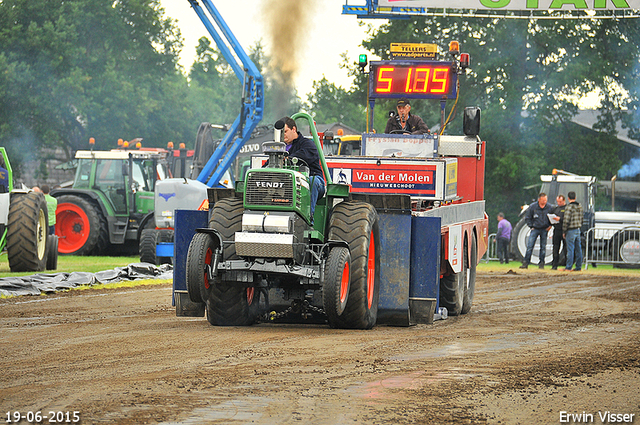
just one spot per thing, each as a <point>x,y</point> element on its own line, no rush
<point>252,97</point>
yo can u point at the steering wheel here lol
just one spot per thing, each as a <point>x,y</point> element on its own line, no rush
<point>400,132</point>
<point>299,162</point>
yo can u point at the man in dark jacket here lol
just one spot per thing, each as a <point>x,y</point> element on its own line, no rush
<point>404,121</point>
<point>571,228</point>
<point>305,149</point>
<point>558,239</point>
<point>537,219</point>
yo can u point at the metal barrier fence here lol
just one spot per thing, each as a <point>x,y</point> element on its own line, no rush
<point>613,245</point>
<point>492,249</point>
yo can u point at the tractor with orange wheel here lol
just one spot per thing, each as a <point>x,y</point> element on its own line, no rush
<point>261,242</point>
<point>110,202</point>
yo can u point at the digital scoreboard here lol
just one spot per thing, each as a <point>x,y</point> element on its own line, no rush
<point>413,79</point>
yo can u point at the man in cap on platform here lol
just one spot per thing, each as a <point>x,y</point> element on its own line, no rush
<point>404,121</point>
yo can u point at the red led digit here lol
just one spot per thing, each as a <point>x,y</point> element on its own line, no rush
<point>407,87</point>
<point>440,80</point>
<point>382,79</point>
<point>424,80</point>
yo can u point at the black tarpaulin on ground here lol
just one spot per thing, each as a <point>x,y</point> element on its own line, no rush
<point>47,283</point>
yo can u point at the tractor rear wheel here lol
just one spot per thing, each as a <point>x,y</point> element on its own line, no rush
<point>147,247</point>
<point>470,284</point>
<point>335,290</point>
<point>452,287</point>
<point>80,226</point>
<point>230,304</point>
<point>27,232</point>
<point>356,223</point>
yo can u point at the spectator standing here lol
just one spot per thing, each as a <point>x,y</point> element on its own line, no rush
<point>503,236</point>
<point>558,238</point>
<point>537,219</point>
<point>52,205</point>
<point>571,228</point>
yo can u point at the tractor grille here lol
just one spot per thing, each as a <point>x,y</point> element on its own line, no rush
<point>269,188</point>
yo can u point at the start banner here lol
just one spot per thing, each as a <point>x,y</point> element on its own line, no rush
<point>528,5</point>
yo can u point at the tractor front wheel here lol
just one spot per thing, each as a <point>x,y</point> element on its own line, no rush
<point>335,290</point>
<point>80,227</point>
<point>228,303</point>
<point>356,223</point>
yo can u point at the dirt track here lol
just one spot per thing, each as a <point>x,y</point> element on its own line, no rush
<point>533,346</point>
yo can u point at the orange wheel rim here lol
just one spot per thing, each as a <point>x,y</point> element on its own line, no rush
<point>72,227</point>
<point>250,294</point>
<point>371,270</point>
<point>344,283</point>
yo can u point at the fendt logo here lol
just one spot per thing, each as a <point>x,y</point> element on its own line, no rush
<point>270,185</point>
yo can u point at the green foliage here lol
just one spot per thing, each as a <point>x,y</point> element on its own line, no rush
<point>330,103</point>
<point>74,70</point>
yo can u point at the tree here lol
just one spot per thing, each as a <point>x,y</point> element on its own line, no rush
<point>88,68</point>
<point>330,103</point>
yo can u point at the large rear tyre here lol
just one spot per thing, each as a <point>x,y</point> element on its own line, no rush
<point>228,303</point>
<point>27,232</point>
<point>335,290</point>
<point>147,247</point>
<point>80,226</point>
<point>52,252</point>
<point>452,287</point>
<point>470,286</point>
<point>356,223</point>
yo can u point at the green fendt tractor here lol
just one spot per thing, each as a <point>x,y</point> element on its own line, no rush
<point>24,225</point>
<point>261,242</point>
<point>110,202</point>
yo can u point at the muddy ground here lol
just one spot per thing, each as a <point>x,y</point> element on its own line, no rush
<point>536,348</point>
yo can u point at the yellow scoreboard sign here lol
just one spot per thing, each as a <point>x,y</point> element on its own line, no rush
<point>413,50</point>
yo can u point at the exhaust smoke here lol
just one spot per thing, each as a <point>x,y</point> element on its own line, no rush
<point>287,22</point>
<point>630,169</point>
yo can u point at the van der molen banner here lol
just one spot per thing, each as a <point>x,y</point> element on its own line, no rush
<point>517,4</point>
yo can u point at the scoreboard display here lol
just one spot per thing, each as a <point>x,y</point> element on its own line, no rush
<point>413,79</point>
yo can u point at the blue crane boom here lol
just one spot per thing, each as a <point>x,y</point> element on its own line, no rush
<point>252,95</point>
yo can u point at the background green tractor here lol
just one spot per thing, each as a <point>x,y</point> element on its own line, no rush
<point>24,225</point>
<point>110,202</point>
<point>260,243</point>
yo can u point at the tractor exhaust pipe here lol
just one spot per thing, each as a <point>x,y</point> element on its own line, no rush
<point>278,131</point>
<point>613,192</point>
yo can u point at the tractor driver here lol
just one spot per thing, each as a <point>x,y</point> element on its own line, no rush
<point>300,147</point>
<point>403,121</point>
